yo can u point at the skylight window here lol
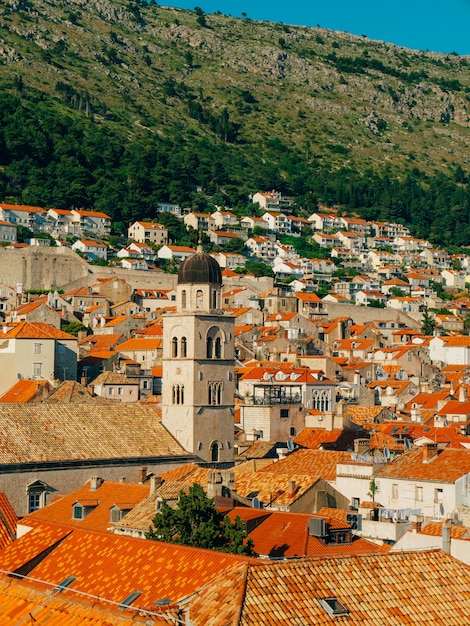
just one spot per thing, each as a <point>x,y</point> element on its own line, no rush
<point>129,600</point>
<point>334,607</point>
<point>65,583</point>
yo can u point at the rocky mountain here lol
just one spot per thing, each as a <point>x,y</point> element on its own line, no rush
<point>243,103</point>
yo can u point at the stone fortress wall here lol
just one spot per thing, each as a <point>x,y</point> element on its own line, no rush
<point>62,268</point>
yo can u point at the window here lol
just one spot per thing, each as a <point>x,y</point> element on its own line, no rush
<point>37,348</point>
<point>111,391</point>
<point>145,384</point>
<point>284,412</point>
<point>178,394</point>
<point>356,502</point>
<point>419,494</point>
<point>34,501</point>
<point>394,491</point>
<point>199,299</point>
<point>438,496</point>
<point>292,431</point>
<point>37,369</point>
<point>214,299</point>
<point>214,452</point>
<point>214,393</point>
<point>77,511</point>
<point>218,348</point>
<point>183,299</point>
<point>120,391</point>
<point>174,347</point>
<point>184,345</point>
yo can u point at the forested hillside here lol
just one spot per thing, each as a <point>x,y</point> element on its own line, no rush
<point>117,104</point>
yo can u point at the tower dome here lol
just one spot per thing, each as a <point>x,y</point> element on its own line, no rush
<point>200,268</point>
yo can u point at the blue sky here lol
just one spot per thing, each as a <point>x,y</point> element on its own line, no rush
<point>442,26</point>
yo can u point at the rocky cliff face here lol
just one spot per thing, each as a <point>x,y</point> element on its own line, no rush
<point>149,64</point>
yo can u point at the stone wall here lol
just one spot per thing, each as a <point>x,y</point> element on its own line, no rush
<point>63,480</point>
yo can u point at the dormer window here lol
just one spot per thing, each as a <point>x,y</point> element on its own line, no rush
<point>81,509</point>
<point>118,511</point>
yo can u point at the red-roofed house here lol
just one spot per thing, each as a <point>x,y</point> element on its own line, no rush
<point>90,249</point>
<point>148,231</point>
<point>94,222</point>
<point>36,350</point>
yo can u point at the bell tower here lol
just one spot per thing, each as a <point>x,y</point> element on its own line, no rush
<point>198,363</point>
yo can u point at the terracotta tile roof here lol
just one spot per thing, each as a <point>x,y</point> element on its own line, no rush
<point>421,587</point>
<point>119,565</point>
<point>113,378</point>
<point>179,473</point>
<point>84,213</point>
<point>307,297</point>
<point>21,603</point>
<point>140,518</point>
<point>8,522</point>
<point>21,207</point>
<point>107,495</point>
<point>364,414</point>
<point>445,466</point>
<point>140,343</point>
<point>315,463</point>
<point>33,433</point>
<point>24,391</point>
<point>35,330</point>
<point>435,529</point>
<point>314,438</point>
<point>101,341</point>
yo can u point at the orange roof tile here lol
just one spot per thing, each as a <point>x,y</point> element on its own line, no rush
<point>315,463</point>
<point>107,495</point>
<point>35,330</point>
<point>445,466</point>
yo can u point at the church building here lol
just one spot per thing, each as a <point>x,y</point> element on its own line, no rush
<point>198,363</point>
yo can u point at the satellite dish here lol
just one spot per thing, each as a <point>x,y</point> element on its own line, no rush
<point>290,445</point>
<point>407,444</point>
<point>441,509</point>
<point>256,503</point>
<point>387,454</point>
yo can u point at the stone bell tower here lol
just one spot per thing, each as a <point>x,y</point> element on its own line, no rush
<point>198,363</point>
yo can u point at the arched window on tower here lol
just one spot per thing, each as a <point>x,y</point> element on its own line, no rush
<point>214,451</point>
<point>174,347</point>
<point>178,394</point>
<point>214,298</point>
<point>184,347</point>
<point>218,348</point>
<point>199,299</point>
<point>209,347</point>
<point>214,393</point>
<point>183,299</point>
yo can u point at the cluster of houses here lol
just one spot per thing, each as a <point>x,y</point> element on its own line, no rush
<point>368,263</point>
<point>338,434</point>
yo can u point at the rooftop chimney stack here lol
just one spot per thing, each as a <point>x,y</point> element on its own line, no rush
<point>429,452</point>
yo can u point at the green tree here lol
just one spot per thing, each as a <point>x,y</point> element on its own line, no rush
<point>427,323</point>
<point>373,489</point>
<point>196,522</point>
<point>73,328</point>
<point>258,268</point>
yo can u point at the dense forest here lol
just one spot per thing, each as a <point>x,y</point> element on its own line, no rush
<point>67,147</point>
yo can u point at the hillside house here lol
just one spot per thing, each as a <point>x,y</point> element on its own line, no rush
<point>152,232</point>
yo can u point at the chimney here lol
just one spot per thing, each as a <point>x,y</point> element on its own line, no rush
<point>155,483</point>
<point>416,523</point>
<point>95,483</point>
<point>429,452</point>
<point>446,526</point>
<point>142,474</point>
<point>291,487</point>
<point>463,393</point>
<point>214,484</point>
